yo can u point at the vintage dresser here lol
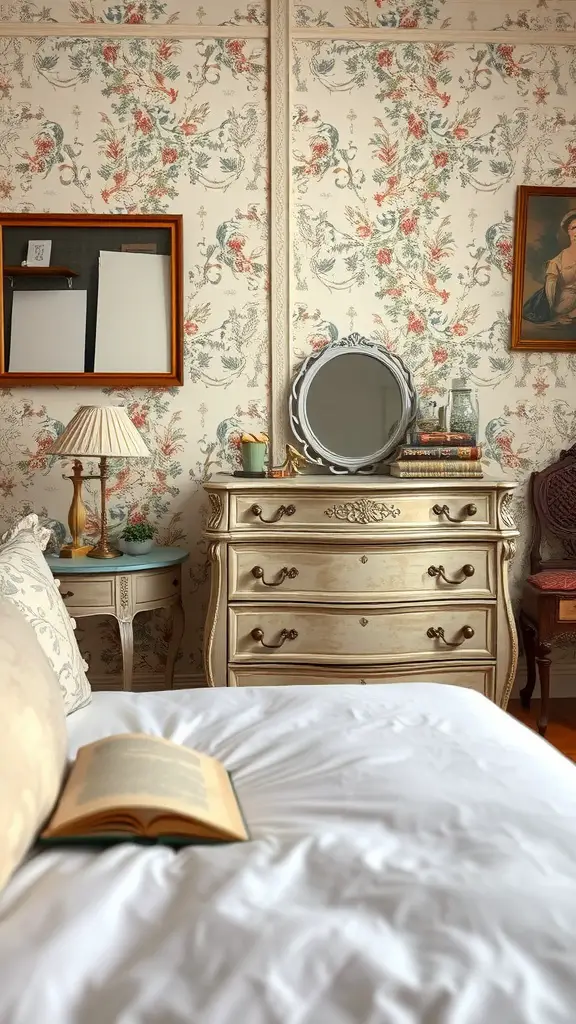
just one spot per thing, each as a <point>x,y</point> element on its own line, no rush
<point>327,579</point>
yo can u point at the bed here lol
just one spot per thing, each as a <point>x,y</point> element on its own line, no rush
<point>413,862</point>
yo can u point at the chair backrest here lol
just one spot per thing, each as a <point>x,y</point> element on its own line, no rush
<point>553,502</point>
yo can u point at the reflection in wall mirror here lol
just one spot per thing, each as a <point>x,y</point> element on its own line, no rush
<point>103,307</point>
<point>351,405</point>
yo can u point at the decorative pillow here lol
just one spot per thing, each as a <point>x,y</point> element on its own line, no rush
<point>554,579</point>
<point>26,581</point>
<point>32,738</point>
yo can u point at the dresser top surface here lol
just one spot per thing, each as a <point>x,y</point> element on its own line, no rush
<point>327,482</point>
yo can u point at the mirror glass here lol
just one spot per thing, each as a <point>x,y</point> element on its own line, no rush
<point>92,299</point>
<point>354,405</point>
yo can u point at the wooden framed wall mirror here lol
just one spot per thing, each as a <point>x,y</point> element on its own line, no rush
<point>91,299</point>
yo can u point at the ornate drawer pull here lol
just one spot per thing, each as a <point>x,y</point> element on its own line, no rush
<point>286,634</point>
<point>284,574</point>
<point>437,633</point>
<point>67,593</point>
<point>444,510</point>
<point>284,510</point>
<point>439,570</point>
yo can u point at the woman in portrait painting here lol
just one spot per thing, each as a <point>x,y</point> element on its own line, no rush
<point>555,303</point>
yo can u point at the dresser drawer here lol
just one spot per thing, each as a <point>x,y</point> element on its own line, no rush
<point>475,677</point>
<point>328,633</point>
<point>389,511</point>
<point>79,594</point>
<point>157,586</point>
<point>361,572</point>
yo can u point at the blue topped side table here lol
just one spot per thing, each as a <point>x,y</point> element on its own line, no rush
<point>124,587</point>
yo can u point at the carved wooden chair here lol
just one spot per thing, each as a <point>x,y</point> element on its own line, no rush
<point>548,611</point>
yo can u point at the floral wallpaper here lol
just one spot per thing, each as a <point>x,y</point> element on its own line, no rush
<point>123,125</point>
<point>138,12</point>
<point>406,160</point>
<point>475,15</point>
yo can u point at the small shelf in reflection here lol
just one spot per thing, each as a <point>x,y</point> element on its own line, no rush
<point>39,272</point>
<point>19,271</point>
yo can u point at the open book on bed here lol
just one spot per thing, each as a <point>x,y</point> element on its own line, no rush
<point>144,788</point>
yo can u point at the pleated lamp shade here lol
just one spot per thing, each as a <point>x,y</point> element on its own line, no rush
<point>98,430</point>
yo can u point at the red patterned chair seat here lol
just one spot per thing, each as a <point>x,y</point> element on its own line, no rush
<point>554,579</point>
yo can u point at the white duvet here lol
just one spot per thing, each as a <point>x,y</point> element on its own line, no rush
<point>413,861</point>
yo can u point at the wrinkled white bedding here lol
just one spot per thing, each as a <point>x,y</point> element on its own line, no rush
<point>413,862</point>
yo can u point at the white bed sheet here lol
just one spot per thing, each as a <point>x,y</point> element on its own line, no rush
<point>413,862</point>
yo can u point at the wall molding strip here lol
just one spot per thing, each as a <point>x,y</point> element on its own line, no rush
<point>423,35</point>
<point>81,30</point>
<point>175,30</point>
<point>280,230</point>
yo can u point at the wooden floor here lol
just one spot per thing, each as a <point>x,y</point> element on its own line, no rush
<point>561,731</point>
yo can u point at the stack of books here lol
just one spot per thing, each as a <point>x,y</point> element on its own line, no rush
<point>438,454</point>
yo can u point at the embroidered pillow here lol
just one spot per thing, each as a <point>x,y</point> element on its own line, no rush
<point>26,581</point>
<point>32,738</point>
<point>554,579</point>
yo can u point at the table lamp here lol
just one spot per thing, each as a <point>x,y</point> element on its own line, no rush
<point>103,431</point>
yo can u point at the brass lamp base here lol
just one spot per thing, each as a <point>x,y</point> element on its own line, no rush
<point>103,549</point>
<point>76,515</point>
<point>69,551</point>
<point>103,552</point>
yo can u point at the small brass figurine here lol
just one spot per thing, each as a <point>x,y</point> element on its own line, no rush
<point>292,466</point>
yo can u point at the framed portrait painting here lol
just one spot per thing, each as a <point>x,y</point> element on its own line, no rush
<point>544,290</point>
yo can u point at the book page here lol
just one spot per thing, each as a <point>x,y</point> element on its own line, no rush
<point>150,774</point>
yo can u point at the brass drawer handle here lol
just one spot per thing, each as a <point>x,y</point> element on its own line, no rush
<point>439,570</point>
<point>67,593</point>
<point>284,574</point>
<point>284,510</point>
<point>286,634</point>
<point>437,633</point>
<point>444,510</point>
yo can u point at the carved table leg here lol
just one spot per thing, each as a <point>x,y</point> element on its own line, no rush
<point>543,661</point>
<point>125,609</point>
<point>529,641</point>
<point>174,645</point>
<point>215,632</point>
<point>127,642</point>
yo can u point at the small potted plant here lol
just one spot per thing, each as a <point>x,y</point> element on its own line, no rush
<point>137,538</point>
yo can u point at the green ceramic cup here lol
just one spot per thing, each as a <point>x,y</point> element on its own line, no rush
<point>253,456</point>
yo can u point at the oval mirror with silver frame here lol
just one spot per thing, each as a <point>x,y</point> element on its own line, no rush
<point>351,405</point>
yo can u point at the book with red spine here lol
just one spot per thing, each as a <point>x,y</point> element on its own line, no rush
<point>470,454</point>
<point>443,439</point>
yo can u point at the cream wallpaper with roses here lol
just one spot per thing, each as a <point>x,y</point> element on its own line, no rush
<point>149,126</point>
<point>475,15</point>
<point>405,161</point>
<point>406,158</point>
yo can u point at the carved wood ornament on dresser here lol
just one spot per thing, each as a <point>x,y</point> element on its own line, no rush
<point>320,579</point>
